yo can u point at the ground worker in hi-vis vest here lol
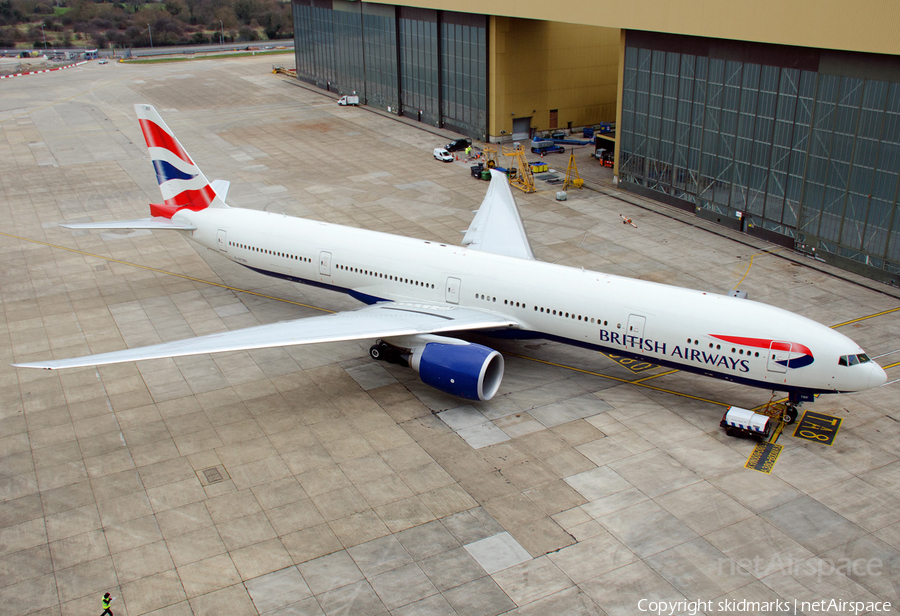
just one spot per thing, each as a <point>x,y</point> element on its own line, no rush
<point>107,601</point>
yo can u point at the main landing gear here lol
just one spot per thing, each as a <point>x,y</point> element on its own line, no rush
<point>382,351</point>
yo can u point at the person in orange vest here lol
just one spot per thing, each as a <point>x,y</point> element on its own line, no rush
<point>107,601</point>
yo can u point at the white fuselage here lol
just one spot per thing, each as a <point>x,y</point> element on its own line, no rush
<point>719,336</point>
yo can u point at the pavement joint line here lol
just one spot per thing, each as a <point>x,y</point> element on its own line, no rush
<point>886,354</point>
<point>766,251</point>
<point>159,271</point>
<point>62,100</point>
<point>619,379</point>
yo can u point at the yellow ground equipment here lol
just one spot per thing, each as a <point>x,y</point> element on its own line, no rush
<point>490,155</point>
<point>572,176</point>
<point>523,178</point>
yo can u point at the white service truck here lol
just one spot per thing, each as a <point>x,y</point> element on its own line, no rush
<point>348,99</point>
<point>746,423</point>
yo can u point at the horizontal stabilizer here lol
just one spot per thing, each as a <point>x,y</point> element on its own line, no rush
<point>141,223</point>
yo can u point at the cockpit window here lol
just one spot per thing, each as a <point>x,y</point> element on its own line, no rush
<point>852,360</point>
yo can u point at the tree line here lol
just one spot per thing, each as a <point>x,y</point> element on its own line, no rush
<point>138,23</point>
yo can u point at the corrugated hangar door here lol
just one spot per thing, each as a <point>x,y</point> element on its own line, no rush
<point>521,128</point>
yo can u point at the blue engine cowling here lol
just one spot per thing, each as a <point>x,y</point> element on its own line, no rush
<point>466,370</point>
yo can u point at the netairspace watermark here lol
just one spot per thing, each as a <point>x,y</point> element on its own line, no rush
<point>691,608</point>
<point>819,567</point>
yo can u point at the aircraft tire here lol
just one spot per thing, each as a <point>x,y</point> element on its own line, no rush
<point>376,352</point>
<point>790,416</point>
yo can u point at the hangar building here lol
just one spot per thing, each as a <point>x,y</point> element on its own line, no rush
<point>780,119</point>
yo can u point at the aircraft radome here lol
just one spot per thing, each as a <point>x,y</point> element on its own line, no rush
<point>418,293</point>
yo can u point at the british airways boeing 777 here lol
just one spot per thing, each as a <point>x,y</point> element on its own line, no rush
<point>419,293</point>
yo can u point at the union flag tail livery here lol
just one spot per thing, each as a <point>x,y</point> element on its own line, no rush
<point>182,184</point>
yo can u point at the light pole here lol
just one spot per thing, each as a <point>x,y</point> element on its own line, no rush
<point>151,35</point>
<point>44,37</point>
<point>222,36</point>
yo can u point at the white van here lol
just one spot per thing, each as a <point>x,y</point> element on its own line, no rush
<point>443,154</point>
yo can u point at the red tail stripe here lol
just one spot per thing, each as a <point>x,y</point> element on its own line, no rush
<point>156,137</point>
<point>163,210</point>
<point>763,343</point>
<point>196,200</point>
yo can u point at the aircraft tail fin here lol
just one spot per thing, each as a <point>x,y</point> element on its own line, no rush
<point>182,184</point>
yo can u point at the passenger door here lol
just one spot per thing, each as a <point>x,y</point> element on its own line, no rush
<point>452,296</point>
<point>325,263</point>
<point>779,351</point>
<point>636,325</point>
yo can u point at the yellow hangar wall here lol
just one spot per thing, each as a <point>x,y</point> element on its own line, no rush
<point>870,27</point>
<point>539,66</point>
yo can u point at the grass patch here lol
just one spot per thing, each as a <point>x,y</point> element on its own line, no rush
<point>238,54</point>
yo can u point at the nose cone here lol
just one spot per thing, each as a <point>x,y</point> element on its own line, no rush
<point>877,376</point>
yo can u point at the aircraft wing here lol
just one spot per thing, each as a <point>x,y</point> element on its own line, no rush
<point>497,227</point>
<point>157,222</point>
<point>379,321</point>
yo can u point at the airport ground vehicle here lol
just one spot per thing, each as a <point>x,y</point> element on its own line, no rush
<point>443,155</point>
<point>546,147</point>
<point>350,99</point>
<point>745,423</point>
<point>458,145</point>
<point>607,158</point>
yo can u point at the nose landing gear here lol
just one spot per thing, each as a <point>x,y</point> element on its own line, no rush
<point>787,411</point>
<point>790,413</point>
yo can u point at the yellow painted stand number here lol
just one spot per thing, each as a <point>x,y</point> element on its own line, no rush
<point>632,364</point>
<point>818,427</point>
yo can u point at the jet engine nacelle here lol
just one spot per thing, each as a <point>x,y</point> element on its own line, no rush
<point>459,368</point>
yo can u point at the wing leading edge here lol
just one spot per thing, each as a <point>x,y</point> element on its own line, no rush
<point>379,321</point>
<point>497,227</point>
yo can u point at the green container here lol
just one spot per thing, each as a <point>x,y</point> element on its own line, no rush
<point>486,174</point>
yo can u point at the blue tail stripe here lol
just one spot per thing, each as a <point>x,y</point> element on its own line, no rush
<point>165,172</point>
